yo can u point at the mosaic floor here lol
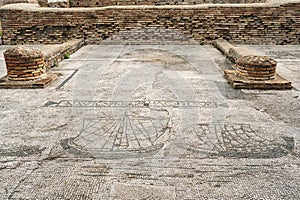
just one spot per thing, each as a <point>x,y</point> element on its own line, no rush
<point>151,122</point>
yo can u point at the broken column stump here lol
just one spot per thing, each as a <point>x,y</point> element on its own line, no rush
<point>256,72</point>
<point>24,64</point>
<point>25,69</point>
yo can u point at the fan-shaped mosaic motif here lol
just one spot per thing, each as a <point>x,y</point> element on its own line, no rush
<point>122,137</point>
<point>237,141</point>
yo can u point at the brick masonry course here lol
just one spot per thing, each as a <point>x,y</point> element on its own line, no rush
<point>26,66</point>
<point>100,3</point>
<point>256,67</point>
<point>263,23</point>
<point>5,2</point>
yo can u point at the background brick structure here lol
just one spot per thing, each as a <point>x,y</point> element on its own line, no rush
<point>241,24</point>
<point>103,3</point>
<point>5,2</point>
<point>100,3</point>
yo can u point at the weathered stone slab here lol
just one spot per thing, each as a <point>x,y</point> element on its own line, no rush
<point>232,52</point>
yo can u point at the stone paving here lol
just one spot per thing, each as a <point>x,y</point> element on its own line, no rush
<point>151,122</point>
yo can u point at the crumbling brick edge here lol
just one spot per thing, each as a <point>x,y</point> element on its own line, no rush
<point>233,54</point>
<point>278,83</point>
<point>58,52</point>
<point>40,83</point>
<point>52,58</point>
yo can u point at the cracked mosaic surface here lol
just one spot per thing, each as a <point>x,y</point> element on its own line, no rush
<point>150,122</point>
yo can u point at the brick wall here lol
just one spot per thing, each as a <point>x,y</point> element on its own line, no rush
<point>99,3</point>
<point>5,2</point>
<point>242,24</point>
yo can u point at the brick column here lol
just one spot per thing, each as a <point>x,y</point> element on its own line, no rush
<point>256,72</point>
<point>24,64</point>
<point>254,67</point>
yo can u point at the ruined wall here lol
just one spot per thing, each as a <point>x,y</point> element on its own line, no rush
<point>265,24</point>
<point>5,2</point>
<point>100,3</point>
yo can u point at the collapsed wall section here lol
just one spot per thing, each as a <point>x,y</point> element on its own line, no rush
<point>241,24</point>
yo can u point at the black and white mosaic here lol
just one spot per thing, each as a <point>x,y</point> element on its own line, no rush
<point>232,140</point>
<point>22,151</point>
<point>119,138</point>
<point>128,104</point>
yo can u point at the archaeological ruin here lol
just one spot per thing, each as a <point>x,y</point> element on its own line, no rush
<point>151,22</point>
<point>149,99</point>
<point>270,22</point>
